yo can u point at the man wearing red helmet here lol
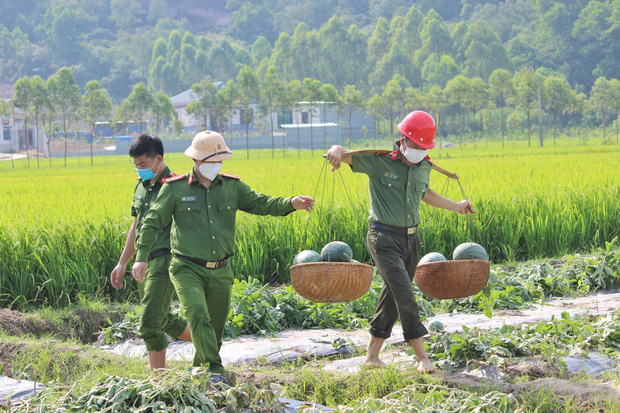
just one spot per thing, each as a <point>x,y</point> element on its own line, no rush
<point>398,182</point>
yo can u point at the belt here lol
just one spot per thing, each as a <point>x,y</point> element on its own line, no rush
<point>159,253</point>
<point>398,230</point>
<point>207,264</point>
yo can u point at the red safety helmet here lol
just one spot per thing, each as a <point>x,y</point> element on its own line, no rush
<point>420,127</point>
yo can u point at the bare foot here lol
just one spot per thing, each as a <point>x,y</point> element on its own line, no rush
<point>375,363</point>
<point>425,366</point>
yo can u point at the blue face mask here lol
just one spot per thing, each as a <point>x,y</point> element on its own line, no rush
<point>146,174</point>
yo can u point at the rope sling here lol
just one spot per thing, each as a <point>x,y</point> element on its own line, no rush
<point>330,282</point>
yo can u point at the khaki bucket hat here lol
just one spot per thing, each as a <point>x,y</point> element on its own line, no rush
<point>208,146</point>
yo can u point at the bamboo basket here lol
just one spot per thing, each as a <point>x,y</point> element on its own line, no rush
<point>331,282</point>
<point>452,279</point>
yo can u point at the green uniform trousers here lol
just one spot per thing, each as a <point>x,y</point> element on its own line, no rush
<point>205,295</point>
<point>156,296</point>
<point>396,258</point>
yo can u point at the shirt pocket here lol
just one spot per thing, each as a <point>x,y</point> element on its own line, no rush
<point>227,210</point>
<point>188,214</point>
<point>391,182</point>
<point>421,186</point>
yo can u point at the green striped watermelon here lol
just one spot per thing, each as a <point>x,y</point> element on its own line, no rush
<point>307,256</point>
<point>337,251</point>
<point>431,257</point>
<point>470,251</point>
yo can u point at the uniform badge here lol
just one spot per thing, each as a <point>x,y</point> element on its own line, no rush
<point>218,147</point>
<point>188,198</point>
<point>137,196</point>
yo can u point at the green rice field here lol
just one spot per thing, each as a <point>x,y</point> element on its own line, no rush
<point>62,229</point>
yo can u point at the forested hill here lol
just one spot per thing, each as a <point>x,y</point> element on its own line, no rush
<point>171,44</point>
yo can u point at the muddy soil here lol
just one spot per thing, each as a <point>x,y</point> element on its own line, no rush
<point>80,324</point>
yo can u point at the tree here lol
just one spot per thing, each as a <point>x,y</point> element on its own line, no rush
<point>354,101</point>
<point>434,101</point>
<point>40,100</point>
<point>228,97</point>
<point>558,93</point>
<point>158,9</point>
<point>375,106</point>
<point>329,96</point>
<point>22,100</point>
<point>600,98</point>
<point>282,57</point>
<point>64,95</point>
<point>484,52</point>
<point>457,90</point>
<point>393,96</point>
<point>476,99</point>
<point>500,85</point>
<point>579,106</point>
<point>137,105</point>
<point>162,109</point>
<point>204,95</point>
<point>412,99</point>
<point>614,94</point>
<point>439,71</point>
<point>249,90</point>
<point>272,90</point>
<point>96,107</point>
<point>379,42</point>
<point>313,96</point>
<point>295,94</point>
<point>125,13</point>
<point>525,94</point>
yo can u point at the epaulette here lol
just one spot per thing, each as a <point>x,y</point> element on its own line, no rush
<point>230,176</point>
<point>428,158</point>
<point>164,178</point>
<point>176,178</point>
<point>394,154</point>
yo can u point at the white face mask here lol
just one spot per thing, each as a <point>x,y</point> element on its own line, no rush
<point>210,170</point>
<point>414,155</point>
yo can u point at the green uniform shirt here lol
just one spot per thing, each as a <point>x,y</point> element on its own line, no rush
<point>203,219</point>
<point>396,189</point>
<point>143,196</point>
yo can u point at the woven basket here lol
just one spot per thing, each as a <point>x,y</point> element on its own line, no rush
<point>331,282</point>
<point>452,279</point>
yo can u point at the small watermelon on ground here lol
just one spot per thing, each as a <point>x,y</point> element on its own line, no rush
<point>307,256</point>
<point>337,251</point>
<point>431,257</point>
<point>436,326</point>
<point>470,251</point>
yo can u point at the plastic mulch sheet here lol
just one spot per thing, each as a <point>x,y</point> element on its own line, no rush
<point>15,391</point>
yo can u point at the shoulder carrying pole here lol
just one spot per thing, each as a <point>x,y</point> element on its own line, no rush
<point>385,152</point>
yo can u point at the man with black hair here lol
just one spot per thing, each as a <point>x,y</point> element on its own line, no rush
<point>157,291</point>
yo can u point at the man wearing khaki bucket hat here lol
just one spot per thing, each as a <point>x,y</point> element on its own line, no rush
<point>202,206</point>
<point>398,182</point>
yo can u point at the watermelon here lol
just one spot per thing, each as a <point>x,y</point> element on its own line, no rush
<point>436,326</point>
<point>337,251</point>
<point>307,256</point>
<point>431,257</point>
<point>470,251</point>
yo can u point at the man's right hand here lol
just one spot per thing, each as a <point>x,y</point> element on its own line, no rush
<point>138,271</point>
<point>116,276</point>
<point>334,156</point>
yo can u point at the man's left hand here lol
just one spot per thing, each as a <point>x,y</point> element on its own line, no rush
<point>465,207</point>
<point>302,202</point>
